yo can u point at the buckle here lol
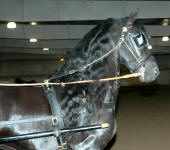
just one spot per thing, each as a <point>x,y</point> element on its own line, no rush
<point>55,121</point>
<point>71,71</point>
<point>63,146</point>
<point>47,84</point>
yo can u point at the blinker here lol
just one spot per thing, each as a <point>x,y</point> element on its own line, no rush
<point>140,41</point>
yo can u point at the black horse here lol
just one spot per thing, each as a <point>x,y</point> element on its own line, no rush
<point>96,56</point>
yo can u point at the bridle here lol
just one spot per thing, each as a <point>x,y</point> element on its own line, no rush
<point>140,60</point>
<point>133,46</point>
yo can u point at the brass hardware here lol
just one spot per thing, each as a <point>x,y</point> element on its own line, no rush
<point>55,121</point>
<point>71,71</point>
<point>46,81</point>
<point>84,100</point>
<point>63,146</point>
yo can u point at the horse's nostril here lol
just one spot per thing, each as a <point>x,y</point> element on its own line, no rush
<point>156,71</point>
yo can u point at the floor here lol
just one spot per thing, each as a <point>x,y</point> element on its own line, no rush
<point>143,118</point>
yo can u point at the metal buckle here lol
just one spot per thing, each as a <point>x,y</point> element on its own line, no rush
<point>55,121</point>
<point>71,71</point>
<point>46,81</point>
<point>63,146</point>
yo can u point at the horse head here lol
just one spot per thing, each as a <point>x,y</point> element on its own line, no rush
<point>134,53</point>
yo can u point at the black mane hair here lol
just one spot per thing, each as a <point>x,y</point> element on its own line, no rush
<point>89,47</point>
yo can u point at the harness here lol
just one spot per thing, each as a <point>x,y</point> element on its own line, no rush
<point>57,117</point>
<point>50,94</point>
<point>57,120</point>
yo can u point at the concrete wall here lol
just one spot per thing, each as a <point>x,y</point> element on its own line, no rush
<point>27,67</point>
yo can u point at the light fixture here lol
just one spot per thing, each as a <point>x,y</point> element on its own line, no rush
<point>165,38</point>
<point>33,23</point>
<point>11,25</point>
<point>165,22</point>
<point>33,40</point>
<point>149,46</point>
<point>62,59</point>
<point>45,49</point>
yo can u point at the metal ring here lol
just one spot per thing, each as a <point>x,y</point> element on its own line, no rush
<point>71,71</point>
<point>124,29</point>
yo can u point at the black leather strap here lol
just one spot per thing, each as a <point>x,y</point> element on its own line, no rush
<point>142,63</point>
<point>5,147</point>
<point>109,105</point>
<point>58,122</point>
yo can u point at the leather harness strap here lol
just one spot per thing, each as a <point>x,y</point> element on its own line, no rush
<point>5,147</point>
<point>109,105</point>
<point>57,121</point>
<point>27,120</point>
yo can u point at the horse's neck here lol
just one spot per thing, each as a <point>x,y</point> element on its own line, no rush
<point>92,47</point>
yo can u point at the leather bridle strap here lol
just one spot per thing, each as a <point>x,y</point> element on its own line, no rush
<point>142,63</point>
<point>130,49</point>
<point>6,147</point>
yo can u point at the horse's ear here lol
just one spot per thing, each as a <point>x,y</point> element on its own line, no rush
<point>131,18</point>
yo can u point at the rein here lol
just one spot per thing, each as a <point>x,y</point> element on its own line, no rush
<point>46,83</point>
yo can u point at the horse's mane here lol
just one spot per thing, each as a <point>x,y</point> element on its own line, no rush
<point>80,54</point>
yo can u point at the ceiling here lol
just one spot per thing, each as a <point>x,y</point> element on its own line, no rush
<point>62,23</point>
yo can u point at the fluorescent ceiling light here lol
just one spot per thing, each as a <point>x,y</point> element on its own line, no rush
<point>62,59</point>
<point>33,40</point>
<point>149,46</point>
<point>45,49</point>
<point>165,38</point>
<point>11,25</point>
<point>165,22</point>
<point>33,23</point>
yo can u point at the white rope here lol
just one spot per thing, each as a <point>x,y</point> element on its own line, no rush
<point>73,82</point>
